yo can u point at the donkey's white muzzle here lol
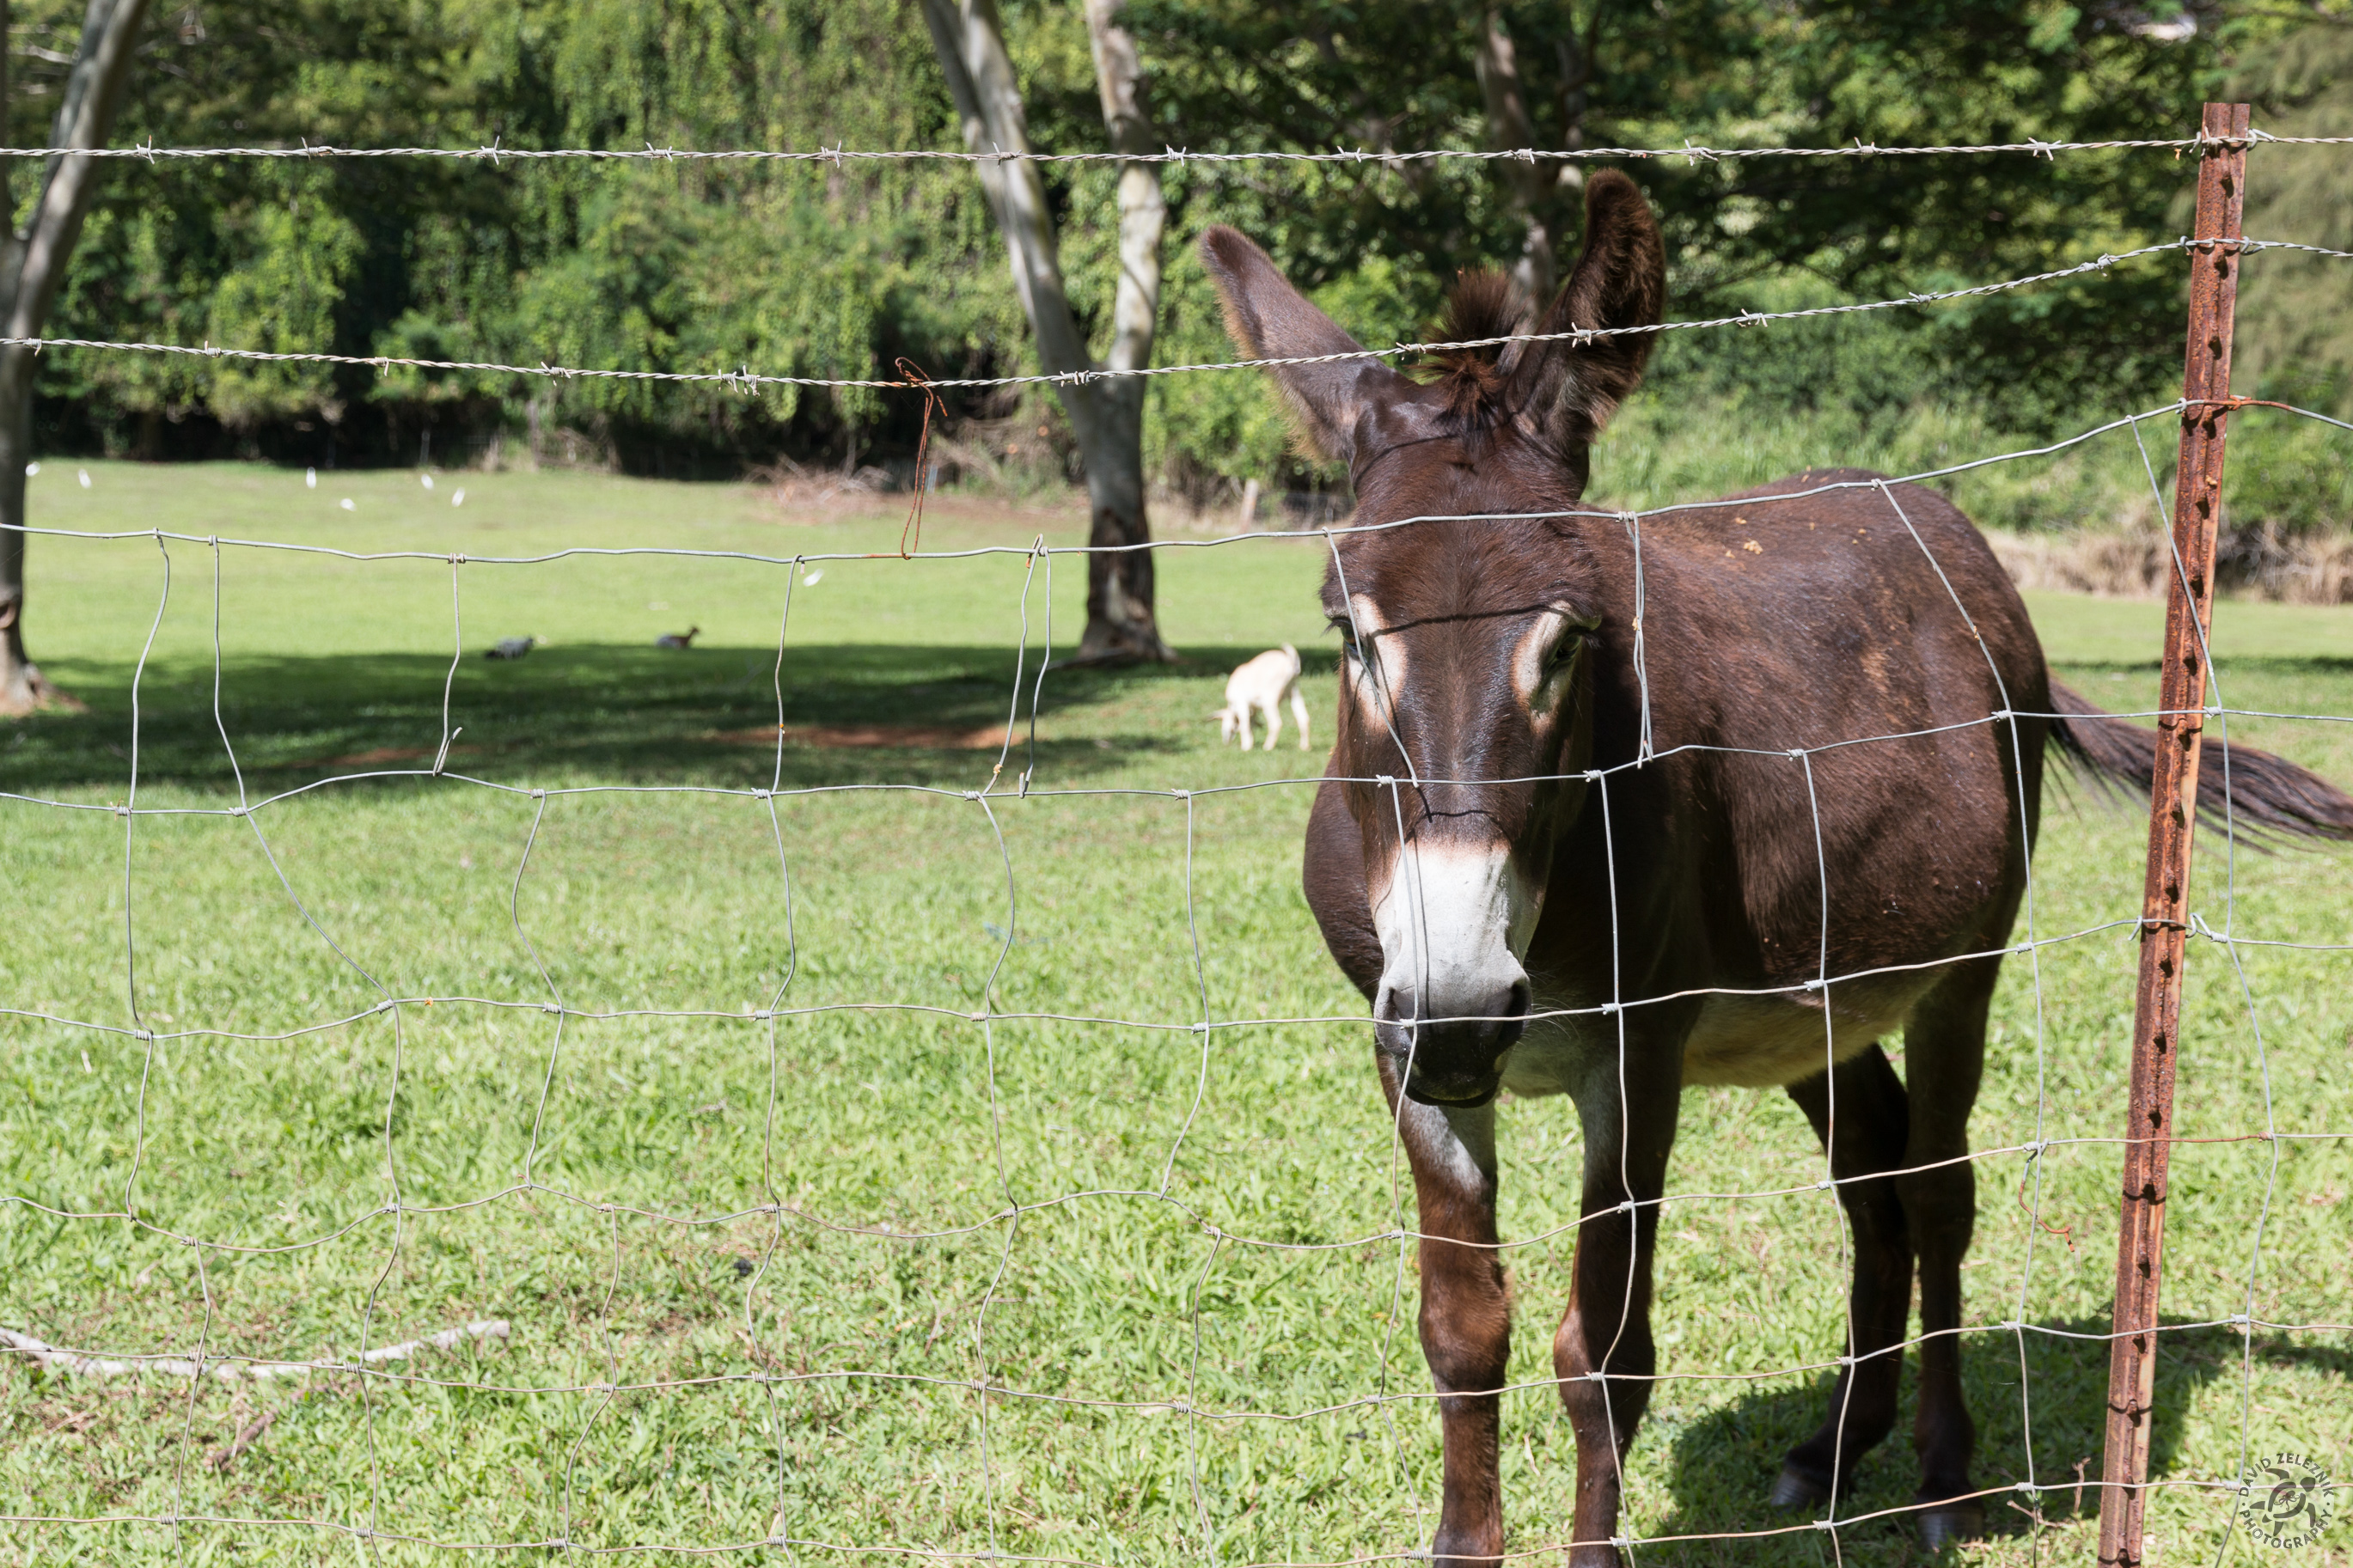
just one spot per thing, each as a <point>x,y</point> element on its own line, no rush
<point>1453,921</point>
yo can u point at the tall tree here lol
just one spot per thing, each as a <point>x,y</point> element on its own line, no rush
<point>1107,415</point>
<point>32,266</point>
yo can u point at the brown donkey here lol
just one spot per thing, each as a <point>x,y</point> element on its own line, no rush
<point>1603,822</point>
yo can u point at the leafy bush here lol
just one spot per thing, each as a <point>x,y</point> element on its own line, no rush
<point>839,269</point>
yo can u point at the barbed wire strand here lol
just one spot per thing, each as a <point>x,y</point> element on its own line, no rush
<point>746,379</point>
<point>499,154</point>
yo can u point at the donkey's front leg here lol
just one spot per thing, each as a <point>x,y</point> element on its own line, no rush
<point>1603,1354</point>
<point>1466,1319</point>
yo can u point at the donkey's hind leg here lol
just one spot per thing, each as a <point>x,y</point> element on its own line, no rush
<point>1858,1110</point>
<point>1944,1054</point>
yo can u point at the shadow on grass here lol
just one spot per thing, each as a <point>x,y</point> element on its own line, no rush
<point>633,715</point>
<point>1723,1461</point>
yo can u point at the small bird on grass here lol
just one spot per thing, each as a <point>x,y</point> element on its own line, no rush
<point>510,648</point>
<point>678,639</point>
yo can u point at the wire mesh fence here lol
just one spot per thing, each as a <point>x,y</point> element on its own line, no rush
<point>840,1163</point>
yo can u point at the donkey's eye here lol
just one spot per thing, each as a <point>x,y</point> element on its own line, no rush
<point>1348,638</point>
<point>1564,652</point>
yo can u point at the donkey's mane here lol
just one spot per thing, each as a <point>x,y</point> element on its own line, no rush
<point>1480,305</point>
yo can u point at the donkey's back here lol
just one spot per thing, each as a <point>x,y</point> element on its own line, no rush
<point>1847,704</point>
<point>1848,600</point>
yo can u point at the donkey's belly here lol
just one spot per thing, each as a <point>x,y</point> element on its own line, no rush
<point>1758,1042</point>
<point>1762,1041</point>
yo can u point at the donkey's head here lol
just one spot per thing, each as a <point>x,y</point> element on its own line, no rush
<point>1465,695</point>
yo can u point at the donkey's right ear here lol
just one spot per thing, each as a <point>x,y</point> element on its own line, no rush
<point>1269,319</point>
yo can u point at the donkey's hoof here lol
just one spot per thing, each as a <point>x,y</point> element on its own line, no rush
<point>1796,1488</point>
<point>1945,1524</point>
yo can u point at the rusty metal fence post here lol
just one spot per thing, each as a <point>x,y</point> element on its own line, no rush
<point>2172,818</point>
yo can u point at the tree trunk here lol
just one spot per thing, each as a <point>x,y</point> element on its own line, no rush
<point>1541,192</point>
<point>1576,58</point>
<point>1107,417</point>
<point>1120,619</point>
<point>1510,126</point>
<point>1121,626</point>
<point>32,268</point>
<point>22,687</point>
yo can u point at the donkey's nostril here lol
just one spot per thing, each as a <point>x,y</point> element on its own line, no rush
<point>1514,1012</point>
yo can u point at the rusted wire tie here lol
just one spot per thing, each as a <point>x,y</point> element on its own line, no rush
<point>911,375</point>
<point>2227,404</point>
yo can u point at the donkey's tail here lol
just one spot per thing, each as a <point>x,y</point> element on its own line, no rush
<point>2254,791</point>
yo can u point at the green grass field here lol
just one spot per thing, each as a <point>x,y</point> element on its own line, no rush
<point>683,1354</point>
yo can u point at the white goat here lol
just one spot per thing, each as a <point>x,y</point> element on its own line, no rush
<point>1263,684</point>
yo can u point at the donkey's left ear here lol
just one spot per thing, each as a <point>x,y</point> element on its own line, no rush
<point>1568,390</point>
<point>1269,319</point>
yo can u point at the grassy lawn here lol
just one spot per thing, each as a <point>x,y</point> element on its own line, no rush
<point>746,1258</point>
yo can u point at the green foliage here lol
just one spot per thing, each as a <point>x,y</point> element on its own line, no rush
<point>2289,474</point>
<point>2295,311</point>
<point>839,269</point>
<point>795,270</point>
<point>286,298</point>
<point>1322,75</point>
